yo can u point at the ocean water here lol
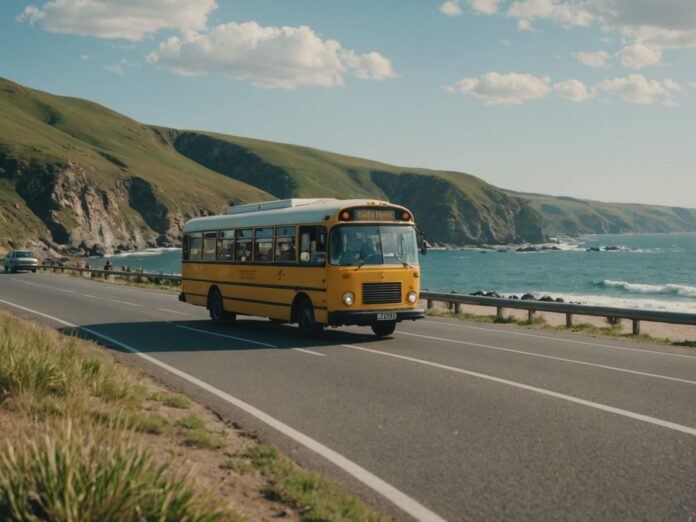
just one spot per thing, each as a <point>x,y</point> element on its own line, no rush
<point>650,271</point>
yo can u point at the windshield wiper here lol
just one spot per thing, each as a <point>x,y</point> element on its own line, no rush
<point>362,262</point>
<point>403,262</point>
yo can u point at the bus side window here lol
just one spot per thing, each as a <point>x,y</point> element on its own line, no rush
<point>263,245</point>
<point>209,246</point>
<point>243,244</point>
<point>195,246</point>
<point>185,250</point>
<point>225,245</point>
<point>285,244</point>
<point>313,245</point>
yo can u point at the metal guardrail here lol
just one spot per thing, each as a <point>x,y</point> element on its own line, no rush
<point>569,309</point>
<point>120,273</point>
<point>456,300</point>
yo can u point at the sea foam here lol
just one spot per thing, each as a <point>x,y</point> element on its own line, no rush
<point>639,288</point>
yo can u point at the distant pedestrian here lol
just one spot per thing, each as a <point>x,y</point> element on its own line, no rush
<point>108,266</point>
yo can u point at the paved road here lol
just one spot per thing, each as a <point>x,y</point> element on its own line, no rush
<point>446,419</point>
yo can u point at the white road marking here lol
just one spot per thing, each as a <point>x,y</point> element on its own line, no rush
<point>544,356</point>
<point>111,300</point>
<point>562,339</point>
<point>43,286</point>
<point>73,292</point>
<point>543,391</point>
<point>399,499</point>
<point>172,311</point>
<point>244,339</point>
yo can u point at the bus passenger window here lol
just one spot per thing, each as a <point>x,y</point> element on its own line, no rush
<point>285,245</point>
<point>243,244</point>
<point>209,246</point>
<point>195,247</point>
<point>263,245</point>
<point>185,247</point>
<point>225,245</point>
<point>313,245</point>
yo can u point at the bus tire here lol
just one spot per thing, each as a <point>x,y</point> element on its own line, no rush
<point>306,321</point>
<point>217,310</point>
<point>384,329</point>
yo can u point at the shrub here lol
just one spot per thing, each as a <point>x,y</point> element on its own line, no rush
<point>88,474</point>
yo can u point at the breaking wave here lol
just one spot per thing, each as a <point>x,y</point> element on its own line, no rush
<point>638,288</point>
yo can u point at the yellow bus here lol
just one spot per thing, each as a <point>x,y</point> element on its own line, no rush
<point>314,262</point>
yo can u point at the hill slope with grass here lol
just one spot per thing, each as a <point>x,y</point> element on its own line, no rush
<point>564,216</point>
<point>77,177</point>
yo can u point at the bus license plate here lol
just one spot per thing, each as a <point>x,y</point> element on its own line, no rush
<point>386,316</point>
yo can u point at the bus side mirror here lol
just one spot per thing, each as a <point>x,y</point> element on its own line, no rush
<point>304,257</point>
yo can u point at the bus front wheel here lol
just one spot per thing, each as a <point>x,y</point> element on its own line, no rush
<point>217,310</point>
<point>384,329</point>
<point>306,321</point>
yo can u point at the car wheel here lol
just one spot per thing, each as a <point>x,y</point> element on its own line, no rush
<point>384,329</point>
<point>33,270</point>
<point>6,269</point>
<point>217,310</point>
<point>306,321</point>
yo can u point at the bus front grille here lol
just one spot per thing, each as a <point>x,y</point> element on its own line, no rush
<point>381,293</point>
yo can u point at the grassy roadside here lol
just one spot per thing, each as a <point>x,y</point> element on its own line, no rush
<point>84,437</point>
<point>539,322</point>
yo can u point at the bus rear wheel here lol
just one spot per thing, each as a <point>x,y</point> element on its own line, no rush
<point>306,321</point>
<point>384,329</point>
<point>217,310</point>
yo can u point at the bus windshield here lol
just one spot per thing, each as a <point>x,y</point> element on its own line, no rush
<point>373,245</point>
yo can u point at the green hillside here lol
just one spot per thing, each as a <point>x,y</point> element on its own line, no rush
<point>565,216</point>
<point>450,207</point>
<point>76,177</point>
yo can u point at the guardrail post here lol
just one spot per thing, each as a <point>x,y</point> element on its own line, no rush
<point>457,308</point>
<point>499,314</point>
<point>450,305</point>
<point>429,303</point>
<point>530,316</point>
<point>569,320</point>
<point>636,327</point>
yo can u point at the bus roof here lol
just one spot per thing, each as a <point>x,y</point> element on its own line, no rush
<point>279,212</point>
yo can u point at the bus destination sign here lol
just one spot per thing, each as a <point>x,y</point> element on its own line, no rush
<point>373,214</point>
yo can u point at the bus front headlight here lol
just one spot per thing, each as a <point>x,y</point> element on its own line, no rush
<point>412,297</point>
<point>348,298</point>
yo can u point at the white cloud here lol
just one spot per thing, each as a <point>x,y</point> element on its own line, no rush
<point>661,25</point>
<point>637,56</point>
<point>573,90</point>
<point>118,67</point>
<point>599,59</point>
<point>85,57</point>
<point>503,89</point>
<point>635,88</point>
<point>114,68</point>
<point>485,6</point>
<point>270,57</point>
<point>565,13</point>
<point>118,19</point>
<point>451,8</point>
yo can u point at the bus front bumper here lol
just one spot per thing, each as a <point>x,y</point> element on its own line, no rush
<point>370,317</point>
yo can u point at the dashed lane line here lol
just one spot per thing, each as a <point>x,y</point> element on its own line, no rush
<point>543,391</point>
<point>553,357</point>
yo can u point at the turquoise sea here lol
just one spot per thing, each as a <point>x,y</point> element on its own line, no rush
<point>652,271</point>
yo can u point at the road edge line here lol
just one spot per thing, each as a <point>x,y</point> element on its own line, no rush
<point>386,490</point>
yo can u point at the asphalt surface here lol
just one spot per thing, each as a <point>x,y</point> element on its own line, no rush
<point>464,421</point>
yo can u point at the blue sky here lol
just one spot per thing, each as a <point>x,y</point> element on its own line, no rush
<point>587,98</point>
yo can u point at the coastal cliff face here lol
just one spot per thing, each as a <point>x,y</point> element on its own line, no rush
<point>450,207</point>
<point>78,178</point>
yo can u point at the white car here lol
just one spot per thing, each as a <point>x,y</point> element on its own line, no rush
<point>20,260</point>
